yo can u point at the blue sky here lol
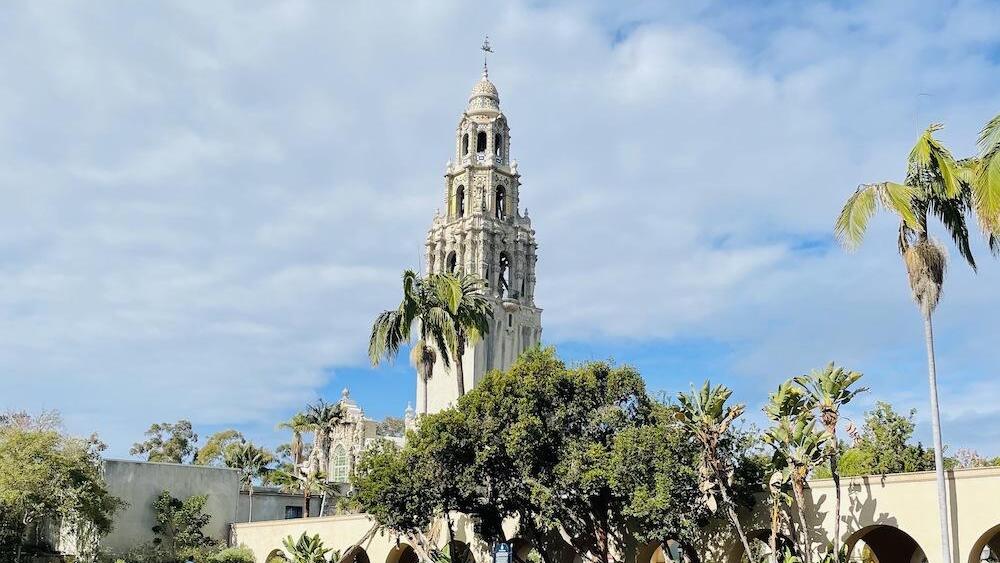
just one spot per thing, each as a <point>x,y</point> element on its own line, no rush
<point>206,204</point>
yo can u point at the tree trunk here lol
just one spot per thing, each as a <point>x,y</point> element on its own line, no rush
<point>426,377</point>
<point>459,368</point>
<point>250,513</point>
<point>775,522</point>
<point>734,517</point>
<point>800,506</point>
<point>835,472</point>
<point>305,495</point>
<point>938,447</point>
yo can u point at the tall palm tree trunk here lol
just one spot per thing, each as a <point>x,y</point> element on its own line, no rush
<point>426,376</point>
<point>250,513</point>
<point>459,368</point>
<point>836,491</point>
<point>800,506</point>
<point>938,446</point>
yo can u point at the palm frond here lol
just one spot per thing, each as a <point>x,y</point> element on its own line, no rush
<point>933,160</point>
<point>951,212</point>
<point>862,205</point>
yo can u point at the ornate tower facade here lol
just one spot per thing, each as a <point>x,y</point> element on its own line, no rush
<point>484,232</point>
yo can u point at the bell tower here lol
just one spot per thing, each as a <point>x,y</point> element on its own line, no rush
<point>483,231</point>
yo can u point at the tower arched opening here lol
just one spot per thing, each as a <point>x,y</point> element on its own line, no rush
<point>460,201</point>
<point>888,544</point>
<point>452,262</point>
<point>481,142</point>
<point>500,202</point>
<point>503,275</point>
<point>465,144</point>
<point>338,464</point>
<point>498,145</point>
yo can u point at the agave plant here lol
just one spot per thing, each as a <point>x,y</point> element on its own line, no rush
<point>307,549</point>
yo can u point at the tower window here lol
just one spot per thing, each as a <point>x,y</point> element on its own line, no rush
<point>481,142</point>
<point>510,320</point>
<point>503,273</point>
<point>452,262</point>
<point>338,466</point>
<point>498,144</point>
<point>460,201</point>
<point>500,204</point>
<point>465,144</point>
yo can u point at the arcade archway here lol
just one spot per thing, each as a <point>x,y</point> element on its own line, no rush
<point>888,544</point>
<point>356,555</point>
<point>987,547</point>
<point>402,553</point>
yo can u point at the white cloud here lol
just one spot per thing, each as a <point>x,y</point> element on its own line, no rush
<point>205,204</point>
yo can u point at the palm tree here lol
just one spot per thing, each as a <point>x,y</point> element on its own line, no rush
<point>706,417</point>
<point>422,305</point>
<point>826,391</point>
<point>935,183</point>
<point>321,418</point>
<point>252,462</point>
<point>470,312</point>
<point>299,425</point>
<point>800,448</point>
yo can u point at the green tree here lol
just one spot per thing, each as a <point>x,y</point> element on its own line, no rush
<point>827,390</point>
<point>471,315</point>
<point>166,442</point>
<point>391,426</point>
<point>253,463</point>
<point>782,409</point>
<point>935,184</point>
<point>708,419</point>
<point>426,304</point>
<point>47,474</point>
<point>298,424</point>
<point>217,447</point>
<point>307,549</point>
<point>885,443</point>
<point>179,524</point>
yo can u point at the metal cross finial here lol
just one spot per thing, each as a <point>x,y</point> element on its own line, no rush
<point>487,48</point>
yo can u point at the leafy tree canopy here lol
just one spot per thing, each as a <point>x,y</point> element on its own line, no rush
<point>166,442</point>
<point>218,446</point>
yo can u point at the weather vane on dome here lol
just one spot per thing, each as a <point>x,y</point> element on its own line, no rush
<point>487,48</point>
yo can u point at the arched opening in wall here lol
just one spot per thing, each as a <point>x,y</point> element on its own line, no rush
<point>276,556</point>
<point>498,144</point>
<point>760,542</point>
<point>465,144</point>
<point>452,262</point>
<point>503,275</point>
<point>338,464</point>
<point>402,553</point>
<point>500,202</point>
<point>653,552</point>
<point>357,554</point>
<point>523,552</point>
<point>460,552</point>
<point>885,544</point>
<point>987,548</point>
<point>460,201</point>
<point>481,141</point>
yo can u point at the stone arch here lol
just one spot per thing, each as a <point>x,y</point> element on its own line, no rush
<point>987,547</point>
<point>356,554</point>
<point>481,142</point>
<point>498,145</point>
<point>760,542</point>
<point>402,553</point>
<point>451,263</point>
<point>275,555</point>
<point>465,144</point>
<point>888,544</point>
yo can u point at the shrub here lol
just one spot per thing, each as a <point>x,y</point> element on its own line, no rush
<point>241,554</point>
